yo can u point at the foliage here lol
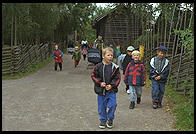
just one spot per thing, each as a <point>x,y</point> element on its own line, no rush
<point>143,39</point>
<point>186,39</point>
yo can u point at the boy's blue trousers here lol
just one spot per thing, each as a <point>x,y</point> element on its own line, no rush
<point>158,89</point>
<point>104,102</point>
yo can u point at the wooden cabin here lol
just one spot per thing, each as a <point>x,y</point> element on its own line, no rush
<point>118,26</point>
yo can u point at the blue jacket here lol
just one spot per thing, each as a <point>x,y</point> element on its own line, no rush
<point>164,72</point>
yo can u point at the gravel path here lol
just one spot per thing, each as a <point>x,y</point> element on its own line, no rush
<point>65,101</point>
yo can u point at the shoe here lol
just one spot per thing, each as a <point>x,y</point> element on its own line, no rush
<point>110,123</point>
<point>102,125</point>
<point>154,105</point>
<point>132,105</point>
<point>128,92</point>
<point>138,100</point>
<point>159,105</point>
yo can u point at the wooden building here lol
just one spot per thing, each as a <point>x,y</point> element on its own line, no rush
<point>118,26</point>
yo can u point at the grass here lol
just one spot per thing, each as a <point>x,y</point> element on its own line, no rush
<point>30,69</point>
<point>182,107</point>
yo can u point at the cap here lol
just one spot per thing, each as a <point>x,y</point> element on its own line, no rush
<point>130,48</point>
<point>162,48</point>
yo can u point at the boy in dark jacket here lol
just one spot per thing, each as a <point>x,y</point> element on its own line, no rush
<point>159,70</point>
<point>106,77</point>
<point>126,61</point>
<point>135,77</point>
<point>57,55</point>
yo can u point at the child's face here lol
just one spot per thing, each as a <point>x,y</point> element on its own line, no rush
<point>108,57</point>
<point>161,54</point>
<point>56,47</point>
<point>135,57</point>
<point>129,53</point>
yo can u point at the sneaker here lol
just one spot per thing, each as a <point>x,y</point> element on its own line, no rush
<point>132,105</point>
<point>138,100</point>
<point>154,105</point>
<point>128,92</point>
<point>159,105</point>
<point>110,123</point>
<point>102,125</point>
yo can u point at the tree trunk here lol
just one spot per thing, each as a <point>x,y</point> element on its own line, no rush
<point>12,31</point>
<point>165,35</point>
<point>15,38</point>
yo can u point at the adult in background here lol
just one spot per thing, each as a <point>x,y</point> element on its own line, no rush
<point>98,44</point>
<point>126,61</point>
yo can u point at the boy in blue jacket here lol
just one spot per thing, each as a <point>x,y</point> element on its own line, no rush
<point>159,70</point>
<point>106,77</point>
<point>135,77</point>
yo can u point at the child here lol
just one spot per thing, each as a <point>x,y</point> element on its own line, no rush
<point>84,52</point>
<point>76,56</point>
<point>106,77</point>
<point>126,61</point>
<point>57,55</point>
<point>159,70</point>
<point>135,77</point>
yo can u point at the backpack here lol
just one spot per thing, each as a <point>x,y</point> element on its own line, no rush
<point>120,60</point>
<point>94,55</point>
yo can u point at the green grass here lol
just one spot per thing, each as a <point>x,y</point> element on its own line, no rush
<point>182,107</point>
<point>30,69</point>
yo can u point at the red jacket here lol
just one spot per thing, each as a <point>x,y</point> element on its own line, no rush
<point>57,54</point>
<point>135,74</point>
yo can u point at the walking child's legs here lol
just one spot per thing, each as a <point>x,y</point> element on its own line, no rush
<point>111,104</point>
<point>76,63</point>
<point>55,66</point>
<point>161,92</point>
<point>132,93</point>
<point>84,56</point>
<point>155,90</point>
<point>60,65</point>
<point>138,91</point>
<point>102,106</point>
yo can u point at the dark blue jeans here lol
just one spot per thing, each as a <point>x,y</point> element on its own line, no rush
<point>158,90</point>
<point>104,102</point>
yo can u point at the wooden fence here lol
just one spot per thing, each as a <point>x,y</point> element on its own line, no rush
<point>17,58</point>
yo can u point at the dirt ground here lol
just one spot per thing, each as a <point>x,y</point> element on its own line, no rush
<point>65,101</point>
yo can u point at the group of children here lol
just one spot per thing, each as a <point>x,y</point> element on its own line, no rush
<point>106,77</point>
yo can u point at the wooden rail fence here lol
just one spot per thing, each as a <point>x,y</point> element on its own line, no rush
<point>17,58</point>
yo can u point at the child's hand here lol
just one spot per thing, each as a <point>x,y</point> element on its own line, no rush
<point>159,77</point>
<point>108,87</point>
<point>103,84</point>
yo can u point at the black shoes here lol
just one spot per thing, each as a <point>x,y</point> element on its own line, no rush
<point>159,105</point>
<point>132,105</point>
<point>154,105</point>
<point>110,123</point>
<point>138,100</point>
<point>102,125</point>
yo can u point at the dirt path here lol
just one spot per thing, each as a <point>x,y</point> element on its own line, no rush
<point>49,100</point>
